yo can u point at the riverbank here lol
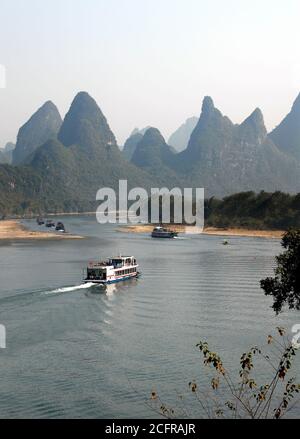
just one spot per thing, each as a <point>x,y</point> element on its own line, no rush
<point>147,228</point>
<point>31,217</point>
<point>244,232</point>
<point>13,229</point>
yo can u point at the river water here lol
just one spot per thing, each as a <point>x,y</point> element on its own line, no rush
<point>90,353</point>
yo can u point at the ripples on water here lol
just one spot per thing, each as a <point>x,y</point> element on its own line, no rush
<point>86,352</point>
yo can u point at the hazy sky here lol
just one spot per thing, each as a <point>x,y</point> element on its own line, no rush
<point>149,62</point>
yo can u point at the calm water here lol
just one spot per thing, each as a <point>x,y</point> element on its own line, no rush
<point>84,353</point>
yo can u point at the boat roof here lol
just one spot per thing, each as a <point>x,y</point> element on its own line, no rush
<point>121,257</point>
<point>104,264</point>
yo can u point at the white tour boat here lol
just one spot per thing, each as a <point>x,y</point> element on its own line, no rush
<point>111,271</point>
<point>162,232</point>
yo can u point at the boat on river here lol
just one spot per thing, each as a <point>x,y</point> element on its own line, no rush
<point>40,221</point>
<point>60,227</point>
<point>112,270</point>
<point>50,223</point>
<point>162,232</point>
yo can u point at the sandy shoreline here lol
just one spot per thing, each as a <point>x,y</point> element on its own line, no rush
<point>13,229</point>
<point>244,232</point>
<point>147,228</point>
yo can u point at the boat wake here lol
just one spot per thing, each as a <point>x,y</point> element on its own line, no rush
<point>69,289</point>
<point>180,238</point>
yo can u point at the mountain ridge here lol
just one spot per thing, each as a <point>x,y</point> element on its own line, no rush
<point>65,171</point>
<point>41,126</point>
<point>179,139</point>
<point>287,134</point>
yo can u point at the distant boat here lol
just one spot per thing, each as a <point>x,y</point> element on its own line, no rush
<point>111,271</point>
<point>60,227</point>
<point>40,221</point>
<point>225,242</point>
<point>162,232</point>
<point>50,223</point>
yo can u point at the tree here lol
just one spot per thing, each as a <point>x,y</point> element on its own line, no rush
<point>251,396</point>
<point>285,286</point>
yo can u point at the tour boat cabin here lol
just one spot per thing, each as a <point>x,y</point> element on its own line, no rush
<point>112,270</point>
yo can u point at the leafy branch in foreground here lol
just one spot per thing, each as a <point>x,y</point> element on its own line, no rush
<point>245,397</point>
<point>285,286</point>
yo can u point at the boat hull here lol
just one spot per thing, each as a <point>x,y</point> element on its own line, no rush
<point>166,235</point>
<point>110,281</point>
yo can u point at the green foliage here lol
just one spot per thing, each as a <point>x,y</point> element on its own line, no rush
<point>3,157</point>
<point>275,211</point>
<point>285,286</point>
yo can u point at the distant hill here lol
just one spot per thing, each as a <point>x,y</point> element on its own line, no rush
<point>287,134</point>
<point>225,158</point>
<point>154,156</point>
<point>3,156</point>
<point>85,157</point>
<point>7,152</point>
<point>63,164</point>
<point>180,138</point>
<point>43,125</point>
<point>151,150</point>
<point>131,144</point>
<point>64,174</point>
<point>132,141</point>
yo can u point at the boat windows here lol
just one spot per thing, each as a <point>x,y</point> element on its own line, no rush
<point>96,274</point>
<point>117,263</point>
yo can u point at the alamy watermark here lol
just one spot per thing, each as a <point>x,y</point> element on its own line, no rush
<point>2,337</point>
<point>2,76</point>
<point>160,205</point>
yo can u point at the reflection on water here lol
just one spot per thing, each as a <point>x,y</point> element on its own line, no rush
<point>91,351</point>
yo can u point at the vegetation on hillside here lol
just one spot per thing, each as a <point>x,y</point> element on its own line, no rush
<point>224,157</point>
<point>60,167</point>
<point>64,174</point>
<point>43,125</point>
<point>254,211</point>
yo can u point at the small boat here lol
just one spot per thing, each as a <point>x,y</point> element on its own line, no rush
<point>60,227</point>
<point>40,221</point>
<point>225,242</point>
<point>112,270</point>
<point>50,223</point>
<point>162,232</point>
